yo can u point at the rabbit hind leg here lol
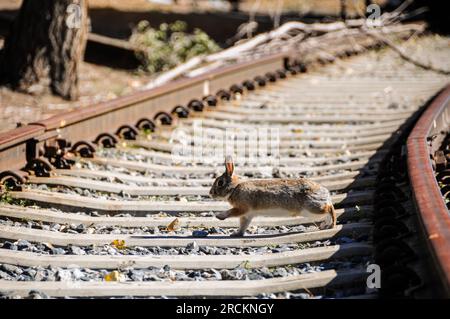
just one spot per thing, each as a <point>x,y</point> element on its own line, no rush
<point>330,221</point>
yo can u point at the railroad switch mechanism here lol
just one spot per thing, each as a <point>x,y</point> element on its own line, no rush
<point>55,151</point>
<point>40,167</point>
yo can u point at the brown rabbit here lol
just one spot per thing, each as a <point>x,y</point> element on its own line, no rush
<point>271,197</point>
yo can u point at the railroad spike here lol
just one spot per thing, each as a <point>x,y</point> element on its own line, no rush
<point>127,132</point>
<point>271,77</point>
<point>389,227</point>
<point>164,118</point>
<point>397,280</point>
<point>107,140</point>
<point>196,105</point>
<point>281,74</point>
<point>84,149</point>
<point>249,85</point>
<point>393,251</point>
<point>181,111</point>
<point>223,95</point>
<point>13,180</point>
<point>235,88</point>
<point>210,100</point>
<point>261,81</point>
<point>145,125</point>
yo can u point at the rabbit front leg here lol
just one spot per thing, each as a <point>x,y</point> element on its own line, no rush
<point>223,215</point>
<point>230,213</point>
<point>244,222</point>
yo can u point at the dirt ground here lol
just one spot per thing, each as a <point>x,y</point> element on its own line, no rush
<point>97,83</point>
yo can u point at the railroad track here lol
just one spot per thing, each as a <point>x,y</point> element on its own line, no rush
<point>129,218</point>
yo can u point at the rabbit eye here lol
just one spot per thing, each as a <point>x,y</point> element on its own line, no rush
<point>220,182</point>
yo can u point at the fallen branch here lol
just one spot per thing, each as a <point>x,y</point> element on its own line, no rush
<point>175,72</point>
<point>286,37</point>
<point>235,51</point>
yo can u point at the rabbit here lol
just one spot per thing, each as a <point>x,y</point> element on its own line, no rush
<point>271,197</point>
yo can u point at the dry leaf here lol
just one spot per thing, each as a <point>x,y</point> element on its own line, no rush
<point>119,243</point>
<point>173,225</point>
<point>114,276</point>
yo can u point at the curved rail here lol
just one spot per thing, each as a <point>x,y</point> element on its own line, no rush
<point>428,199</point>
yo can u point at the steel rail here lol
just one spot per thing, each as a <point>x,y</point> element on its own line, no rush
<point>432,210</point>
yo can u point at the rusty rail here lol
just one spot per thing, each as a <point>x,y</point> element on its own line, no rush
<point>433,212</point>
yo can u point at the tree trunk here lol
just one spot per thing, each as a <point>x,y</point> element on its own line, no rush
<point>234,5</point>
<point>47,38</point>
<point>343,12</point>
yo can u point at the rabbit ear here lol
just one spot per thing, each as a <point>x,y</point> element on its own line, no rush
<point>229,165</point>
